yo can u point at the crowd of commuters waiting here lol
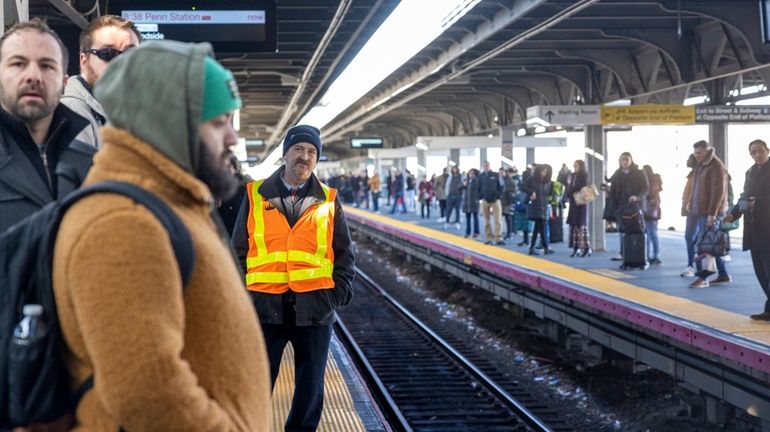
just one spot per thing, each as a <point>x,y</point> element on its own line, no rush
<point>533,203</point>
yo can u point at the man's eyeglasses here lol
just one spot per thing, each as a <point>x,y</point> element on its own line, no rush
<point>106,54</point>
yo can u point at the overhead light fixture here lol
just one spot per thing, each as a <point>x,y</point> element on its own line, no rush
<point>521,132</point>
<point>540,129</point>
<point>425,19</point>
<point>490,136</point>
<point>421,146</point>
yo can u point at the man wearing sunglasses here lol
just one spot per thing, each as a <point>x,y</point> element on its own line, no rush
<point>104,39</point>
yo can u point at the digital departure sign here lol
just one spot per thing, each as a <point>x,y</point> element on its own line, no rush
<point>230,26</point>
<point>373,142</point>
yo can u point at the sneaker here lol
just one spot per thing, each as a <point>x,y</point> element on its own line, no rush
<point>549,251</point>
<point>727,258</point>
<point>446,226</point>
<point>699,283</point>
<point>457,226</point>
<point>688,272</point>
<point>476,235</point>
<point>655,261</point>
<point>617,257</point>
<point>722,279</point>
<point>521,243</point>
<point>764,316</point>
<point>500,243</point>
<point>489,242</point>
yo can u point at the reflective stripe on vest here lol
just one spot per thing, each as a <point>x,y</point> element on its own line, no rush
<point>277,271</point>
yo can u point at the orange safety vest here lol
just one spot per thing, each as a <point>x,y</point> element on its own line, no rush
<point>283,258</point>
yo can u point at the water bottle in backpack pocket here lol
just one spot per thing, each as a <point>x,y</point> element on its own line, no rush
<point>37,384</point>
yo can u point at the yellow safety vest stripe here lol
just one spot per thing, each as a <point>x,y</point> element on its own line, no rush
<point>267,277</point>
<point>259,220</point>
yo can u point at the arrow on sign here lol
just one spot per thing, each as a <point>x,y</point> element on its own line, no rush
<point>550,115</point>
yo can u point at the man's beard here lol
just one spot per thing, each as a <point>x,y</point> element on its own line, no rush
<point>30,112</point>
<point>213,170</point>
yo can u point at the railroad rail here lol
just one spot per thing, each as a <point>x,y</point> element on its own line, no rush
<point>421,382</point>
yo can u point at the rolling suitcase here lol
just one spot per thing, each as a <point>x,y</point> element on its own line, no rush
<point>557,230</point>
<point>634,251</point>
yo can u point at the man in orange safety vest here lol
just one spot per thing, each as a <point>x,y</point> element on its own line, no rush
<point>294,246</point>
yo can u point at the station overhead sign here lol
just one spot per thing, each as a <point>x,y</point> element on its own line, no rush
<point>733,113</point>
<point>371,142</point>
<point>563,115</point>
<point>648,115</point>
<point>230,26</point>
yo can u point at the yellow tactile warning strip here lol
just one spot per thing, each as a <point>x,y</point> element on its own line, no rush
<point>339,413</point>
<point>728,322</point>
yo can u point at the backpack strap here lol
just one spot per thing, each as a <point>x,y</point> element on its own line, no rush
<point>177,232</point>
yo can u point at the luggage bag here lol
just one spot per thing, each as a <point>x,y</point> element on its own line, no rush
<point>634,251</point>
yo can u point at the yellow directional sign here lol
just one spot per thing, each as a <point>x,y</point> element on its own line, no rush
<point>647,114</point>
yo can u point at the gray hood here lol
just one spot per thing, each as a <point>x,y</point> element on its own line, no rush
<point>155,92</point>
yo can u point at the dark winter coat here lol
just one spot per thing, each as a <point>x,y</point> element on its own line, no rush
<point>471,195</point>
<point>25,184</point>
<point>508,198</point>
<point>623,186</point>
<point>490,187</point>
<point>709,187</point>
<point>756,224</point>
<point>578,214</point>
<point>454,186</point>
<point>314,307</point>
<point>438,186</point>
<point>538,207</point>
<point>652,206</point>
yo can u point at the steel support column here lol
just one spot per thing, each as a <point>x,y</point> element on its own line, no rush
<point>596,149</point>
<point>13,11</point>
<point>454,156</point>
<point>422,163</point>
<point>530,155</point>
<point>718,130</point>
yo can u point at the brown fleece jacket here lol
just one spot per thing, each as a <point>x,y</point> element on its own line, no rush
<point>164,358</point>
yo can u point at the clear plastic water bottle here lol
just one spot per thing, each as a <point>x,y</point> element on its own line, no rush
<point>31,327</point>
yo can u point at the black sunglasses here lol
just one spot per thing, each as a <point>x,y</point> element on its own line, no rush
<point>106,54</point>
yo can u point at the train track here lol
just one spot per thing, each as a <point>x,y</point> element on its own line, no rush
<point>421,381</point>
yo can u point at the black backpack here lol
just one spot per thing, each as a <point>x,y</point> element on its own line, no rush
<point>34,383</point>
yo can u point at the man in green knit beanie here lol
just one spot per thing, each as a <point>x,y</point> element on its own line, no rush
<point>164,356</point>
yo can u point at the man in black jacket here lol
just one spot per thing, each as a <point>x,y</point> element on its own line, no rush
<point>39,159</point>
<point>299,269</point>
<point>754,204</point>
<point>491,189</point>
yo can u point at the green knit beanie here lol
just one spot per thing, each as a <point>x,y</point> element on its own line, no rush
<point>220,92</point>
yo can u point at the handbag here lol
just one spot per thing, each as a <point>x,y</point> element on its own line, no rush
<point>713,241</point>
<point>585,195</point>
